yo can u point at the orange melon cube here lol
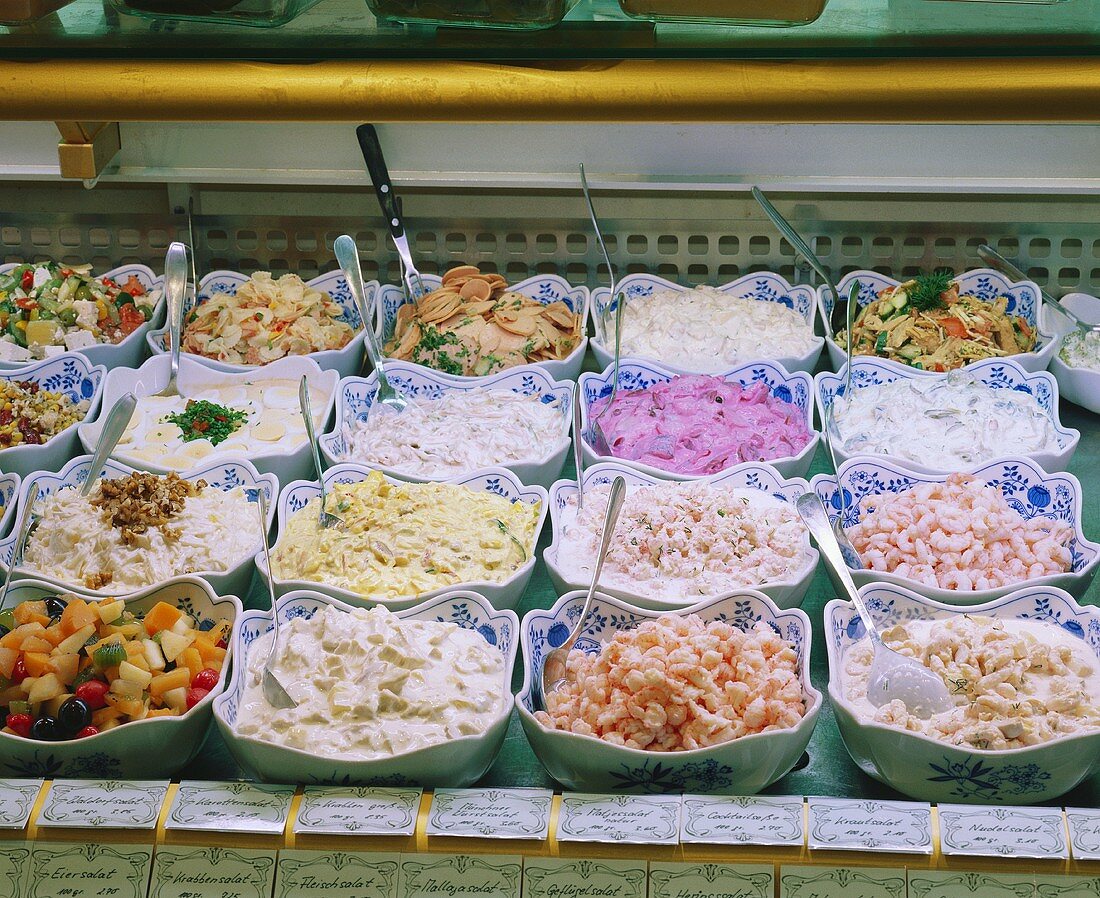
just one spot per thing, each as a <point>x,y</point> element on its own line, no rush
<point>15,638</point>
<point>30,612</point>
<point>103,715</point>
<point>77,615</point>
<point>161,616</point>
<point>181,676</point>
<point>209,652</point>
<point>161,712</point>
<point>36,643</point>
<point>8,657</point>
<point>37,663</point>
<point>191,659</point>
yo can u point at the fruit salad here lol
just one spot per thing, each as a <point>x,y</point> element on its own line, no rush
<point>70,668</point>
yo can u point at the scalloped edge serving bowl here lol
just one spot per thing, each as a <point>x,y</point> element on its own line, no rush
<point>985,283</point>
<point>762,286</point>
<point>152,376</point>
<point>753,475</point>
<point>503,594</point>
<point>453,764</point>
<point>144,749</point>
<point>635,374</point>
<point>346,360</point>
<point>587,764</point>
<point>544,288</point>
<point>355,396</point>
<point>49,456</point>
<point>1042,385</point>
<point>1080,386</point>
<point>127,353</point>
<point>9,500</point>
<point>928,769</point>
<point>1036,489</point>
<point>222,475</point>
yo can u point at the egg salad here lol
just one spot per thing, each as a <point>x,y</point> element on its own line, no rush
<point>404,539</point>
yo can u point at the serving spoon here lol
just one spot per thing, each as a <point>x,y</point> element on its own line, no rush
<point>603,446</point>
<point>578,453</point>
<point>175,291</point>
<point>601,315</point>
<point>326,520</point>
<point>113,428</point>
<point>851,556</point>
<point>893,676</point>
<point>555,671</point>
<point>30,520</point>
<point>273,690</point>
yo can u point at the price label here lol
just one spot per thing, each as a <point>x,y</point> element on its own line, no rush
<point>491,813</point>
<point>858,825</point>
<point>460,876</point>
<point>16,801</point>
<point>711,880</point>
<point>742,820</point>
<point>945,884</point>
<point>186,872</point>
<point>85,870</point>
<point>999,831</point>
<point>545,877</point>
<point>103,804</point>
<point>841,882</point>
<point>623,819</point>
<point>14,862</point>
<point>362,811</point>
<point>1084,833</point>
<point>230,807</point>
<point>336,874</point>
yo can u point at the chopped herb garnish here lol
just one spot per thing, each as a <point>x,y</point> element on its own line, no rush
<point>928,289</point>
<point>203,420</point>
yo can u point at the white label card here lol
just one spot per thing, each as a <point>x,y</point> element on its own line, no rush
<point>460,876</point>
<point>336,874</point>
<point>948,884</point>
<point>844,824</point>
<point>183,871</point>
<point>232,807</point>
<point>742,820</point>
<point>103,804</point>
<point>548,877</point>
<point>1084,833</point>
<point>491,813</point>
<point>84,870</point>
<point>624,819</point>
<point>1000,831</point>
<point>841,882</point>
<point>16,802</point>
<point>358,810</point>
<point>711,880</point>
<point>15,860</point>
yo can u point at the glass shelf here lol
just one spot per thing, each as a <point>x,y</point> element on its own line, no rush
<point>595,29</point>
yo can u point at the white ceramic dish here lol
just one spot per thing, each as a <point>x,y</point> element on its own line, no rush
<point>224,475</point>
<point>76,377</point>
<point>346,361</point>
<point>930,770</point>
<point>355,396</point>
<point>586,764</point>
<point>1000,374</point>
<point>638,374</point>
<point>544,288</point>
<point>983,283</point>
<point>761,286</point>
<point>1079,385</point>
<point>127,353</point>
<point>454,764</point>
<point>151,378</point>
<point>503,594</point>
<point>155,748</point>
<point>752,475</point>
<point>1028,489</point>
<point>9,500</point>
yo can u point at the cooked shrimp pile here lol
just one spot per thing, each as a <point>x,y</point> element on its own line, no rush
<point>677,683</point>
<point>958,535</point>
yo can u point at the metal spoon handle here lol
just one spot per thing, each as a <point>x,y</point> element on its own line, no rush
<point>19,547</point>
<point>347,256</point>
<point>175,291</point>
<point>311,435</point>
<point>578,454</point>
<point>620,305</point>
<point>261,501</point>
<point>191,243</point>
<point>849,323</point>
<point>816,519</point>
<point>994,259</point>
<point>600,317</point>
<point>115,425</point>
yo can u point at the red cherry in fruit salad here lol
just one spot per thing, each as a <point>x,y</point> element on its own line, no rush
<point>205,679</point>
<point>20,724</point>
<point>19,673</point>
<point>195,695</point>
<point>87,731</point>
<point>93,693</point>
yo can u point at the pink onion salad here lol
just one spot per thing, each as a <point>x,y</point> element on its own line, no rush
<point>701,424</point>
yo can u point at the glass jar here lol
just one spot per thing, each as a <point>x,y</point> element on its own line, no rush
<point>520,14</point>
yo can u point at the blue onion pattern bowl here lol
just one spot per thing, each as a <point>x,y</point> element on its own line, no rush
<point>587,764</point>
<point>75,376</point>
<point>544,288</point>
<point>999,374</point>
<point>130,352</point>
<point>454,764</point>
<point>984,283</point>
<point>355,396</point>
<point>761,286</point>
<point>1079,385</point>
<point>9,500</point>
<point>638,374</point>
<point>154,748</point>
<point>751,475</point>
<point>1029,490</point>
<point>929,770</point>
<point>503,594</point>
<point>223,475</point>
<point>346,360</point>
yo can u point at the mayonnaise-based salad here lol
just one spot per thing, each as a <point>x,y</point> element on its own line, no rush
<point>370,685</point>
<point>1081,350</point>
<point>706,330</point>
<point>947,423</point>
<point>456,433</point>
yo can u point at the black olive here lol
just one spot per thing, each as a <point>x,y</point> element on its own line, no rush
<point>73,715</point>
<point>45,730</point>
<point>55,606</point>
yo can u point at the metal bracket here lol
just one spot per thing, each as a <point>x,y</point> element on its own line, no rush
<point>87,148</point>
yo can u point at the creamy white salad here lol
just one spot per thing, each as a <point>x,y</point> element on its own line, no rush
<point>706,330</point>
<point>947,423</point>
<point>1081,350</point>
<point>370,685</point>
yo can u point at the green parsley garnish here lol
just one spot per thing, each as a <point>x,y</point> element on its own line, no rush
<point>431,342</point>
<point>926,294</point>
<point>203,420</point>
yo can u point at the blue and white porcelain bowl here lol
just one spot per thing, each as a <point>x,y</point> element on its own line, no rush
<point>639,374</point>
<point>998,374</point>
<point>69,373</point>
<point>346,360</point>
<point>154,748</point>
<point>9,500</point>
<point>454,764</point>
<point>224,476</point>
<point>930,770</point>
<point>1029,490</point>
<point>761,286</point>
<point>544,288</point>
<point>751,475</point>
<point>1079,385</point>
<point>588,764</point>
<point>127,353</point>
<point>355,397</point>
<point>984,283</point>
<point>503,594</point>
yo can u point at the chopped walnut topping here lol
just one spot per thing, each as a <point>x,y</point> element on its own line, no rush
<point>134,504</point>
<point>98,580</point>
